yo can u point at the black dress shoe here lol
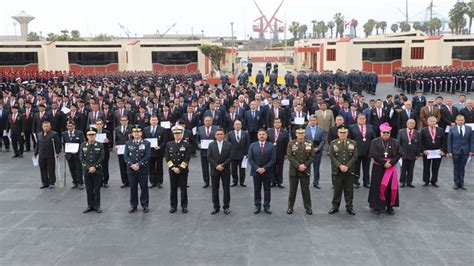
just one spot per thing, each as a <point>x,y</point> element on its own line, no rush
<point>152,186</point>
<point>215,211</point>
<point>267,210</point>
<point>289,211</point>
<point>376,211</point>
<point>89,209</point>
<point>184,210</point>
<point>98,210</point>
<point>356,186</point>
<point>81,187</point>
<point>227,211</point>
<point>146,210</point>
<point>132,210</point>
<point>243,185</point>
<point>333,211</point>
<point>350,211</point>
<point>434,185</point>
<point>172,210</point>
<point>233,185</point>
<point>390,211</point>
<point>44,186</point>
<point>462,187</point>
<point>410,185</point>
<point>159,186</point>
<point>403,185</point>
<point>124,186</point>
<point>309,212</point>
<point>206,186</point>
<point>106,185</point>
<point>366,186</point>
<point>280,186</point>
<point>20,156</point>
<point>426,184</point>
<point>272,184</point>
<point>257,210</point>
<point>15,156</point>
<point>74,186</point>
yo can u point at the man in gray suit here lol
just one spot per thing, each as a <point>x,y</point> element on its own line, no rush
<point>240,142</point>
<point>205,134</point>
<point>315,134</point>
<point>94,114</point>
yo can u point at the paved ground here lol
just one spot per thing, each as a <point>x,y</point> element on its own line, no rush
<point>433,226</point>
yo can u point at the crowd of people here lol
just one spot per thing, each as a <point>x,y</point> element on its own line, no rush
<point>434,79</point>
<point>150,120</point>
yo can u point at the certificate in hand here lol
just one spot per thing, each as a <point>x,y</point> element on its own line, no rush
<point>299,120</point>
<point>433,154</point>
<point>71,147</point>
<point>101,137</point>
<point>120,149</point>
<point>244,162</point>
<point>205,143</point>
<point>166,124</point>
<point>153,142</point>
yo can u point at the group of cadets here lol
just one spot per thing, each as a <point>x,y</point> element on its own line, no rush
<point>150,121</point>
<point>434,79</point>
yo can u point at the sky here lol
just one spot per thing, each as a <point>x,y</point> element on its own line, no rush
<point>213,17</point>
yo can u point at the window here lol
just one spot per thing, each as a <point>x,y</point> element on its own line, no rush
<point>463,52</point>
<point>93,58</point>
<point>417,53</point>
<point>174,58</point>
<point>89,46</point>
<point>331,54</point>
<point>381,54</point>
<point>18,58</point>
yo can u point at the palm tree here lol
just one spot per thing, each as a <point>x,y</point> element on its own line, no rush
<point>394,27</point>
<point>354,24</point>
<point>51,37</point>
<point>330,26</point>
<point>417,25</point>
<point>383,26</point>
<point>404,26</point>
<point>456,15</point>
<point>369,27</point>
<point>303,30</point>
<point>470,13</point>
<point>436,25</point>
<point>314,27</point>
<point>294,29</point>
<point>339,20</point>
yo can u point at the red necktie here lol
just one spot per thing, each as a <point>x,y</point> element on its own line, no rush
<point>208,132</point>
<point>261,148</point>
<point>190,117</point>
<point>14,118</point>
<point>27,114</point>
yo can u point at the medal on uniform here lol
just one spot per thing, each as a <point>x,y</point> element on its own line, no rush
<point>364,139</point>
<point>275,143</point>
<point>385,154</point>
<point>409,143</point>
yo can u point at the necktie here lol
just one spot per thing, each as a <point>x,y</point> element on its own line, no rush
<point>460,131</point>
<point>153,131</point>
<point>253,114</point>
<point>207,132</point>
<point>261,148</point>
<point>408,113</point>
<point>238,136</point>
<point>276,113</point>
<point>14,118</point>
<point>123,129</point>
<point>190,116</point>
<point>232,116</point>
<point>70,135</point>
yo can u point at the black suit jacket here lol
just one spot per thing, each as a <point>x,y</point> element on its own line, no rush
<point>229,123</point>
<point>409,151</point>
<point>270,117</point>
<point>363,147</point>
<point>16,128</point>
<point>447,117</point>
<point>38,121</point>
<point>281,143</point>
<point>427,141</point>
<point>121,138</point>
<point>44,147</point>
<point>239,149</point>
<point>162,137</point>
<point>215,158</point>
<point>78,137</point>
<point>28,121</point>
<point>403,118</point>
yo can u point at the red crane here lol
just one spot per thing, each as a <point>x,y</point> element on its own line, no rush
<point>265,23</point>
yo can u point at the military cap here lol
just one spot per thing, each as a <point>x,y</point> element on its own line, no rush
<point>300,130</point>
<point>73,104</point>
<point>91,131</point>
<point>342,129</point>
<point>136,128</point>
<point>42,105</point>
<point>177,130</point>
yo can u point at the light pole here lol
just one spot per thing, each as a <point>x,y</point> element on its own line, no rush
<point>232,46</point>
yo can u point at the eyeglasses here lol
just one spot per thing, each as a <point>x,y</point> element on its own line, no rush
<point>386,132</point>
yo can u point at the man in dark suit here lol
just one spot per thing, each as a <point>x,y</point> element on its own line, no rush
<point>39,118</point>
<point>378,116</point>
<point>405,115</point>
<point>28,126</point>
<point>107,144</point>
<point>191,121</point>
<point>363,134</point>
<point>262,157</point>
<point>351,117</point>
<point>460,147</point>
<point>448,114</point>
<point>252,121</point>
<point>419,101</point>
<point>142,118</point>
<point>214,113</point>
<point>240,141</point>
<point>109,122</point>
<point>120,112</point>
<point>94,114</point>
<point>409,141</point>
<point>315,134</point>
<point>276,112</point>
<point>205,134</point>
<point>47,151</point>
<point>3,126</point>
<point>15,129</point>
<point>280,138</point>
<point>155,131</point>
<point>71,135</point>
<point>468,112</point>
<point>432,138</point>
<point>219,159</point>
<point>122,134</point>
<point>57,119</point>
<point>332,133</point>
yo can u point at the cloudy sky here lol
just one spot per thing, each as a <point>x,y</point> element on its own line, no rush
<point>92,17</point>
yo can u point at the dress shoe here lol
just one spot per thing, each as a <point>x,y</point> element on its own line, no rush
<point>184,210</point>
<point>257,210</point>
<point>51,186</point>
<point>390,211</point>
<point>434,185</point>
<point>98,210</point>
<point>89,209</point>
<point>215,211</point>
<point>272,184</point>
<point>15,156</point>
<point>333,211</point>
<point>172,210</point>
<point>205,186</point>
<point>309,211</point>
<point>267,210</point>
<point>366,186</point>
<point>124,186</point>
<point>132,210</point>
<point>289,211</point>
<point>44,186</point>
<point>81,187</point>
<point>20,156</point>
<point>376,211</point>
<point>243,185</point>
<point>410,185</point>
<point>462,187</point>
<point>350,211</point>
<point>403,185</point>
<point>106,185</point>
<point>280,186</point>
<point>426,184</point>
<point>74,186</point>
<point>233,185</point>
<point>146,210</point>
<point>227,211</point>
<point>152,186</point>
<point>159,186</point>
<point>356,186</point>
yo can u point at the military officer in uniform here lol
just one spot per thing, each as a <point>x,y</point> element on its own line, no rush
<point>137,154</point>
<point>343,154</point>
<point>177,156</point>
<point>91,155</point>
<point>300,153</point>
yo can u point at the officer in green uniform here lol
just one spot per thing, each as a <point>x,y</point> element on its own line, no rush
<point>300,153</point>
<point>343,154</point>
<point>92,156</point>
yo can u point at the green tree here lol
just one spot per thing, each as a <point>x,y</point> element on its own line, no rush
<point>339,21</point>
<point>383,26</point>
<point>369,27</point>
<point>394,27</point>
<point>64,36</point>
<point>314,27</point>
<point>331,26</point>
<point>52,37</point>
<point>417,25</point>
<point>436,25</point>
<point>456,16</point>
<point>470,13</point>
<point>354,24</point>
<point>377,27</point>
<point>294,29</point>
<point>303,29</point>
<point>404,27</point>
<point>214,52</point>
<point>322,28</point>
<point>76,36</point>
<point>32,36</point>
<point>102,38</point>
